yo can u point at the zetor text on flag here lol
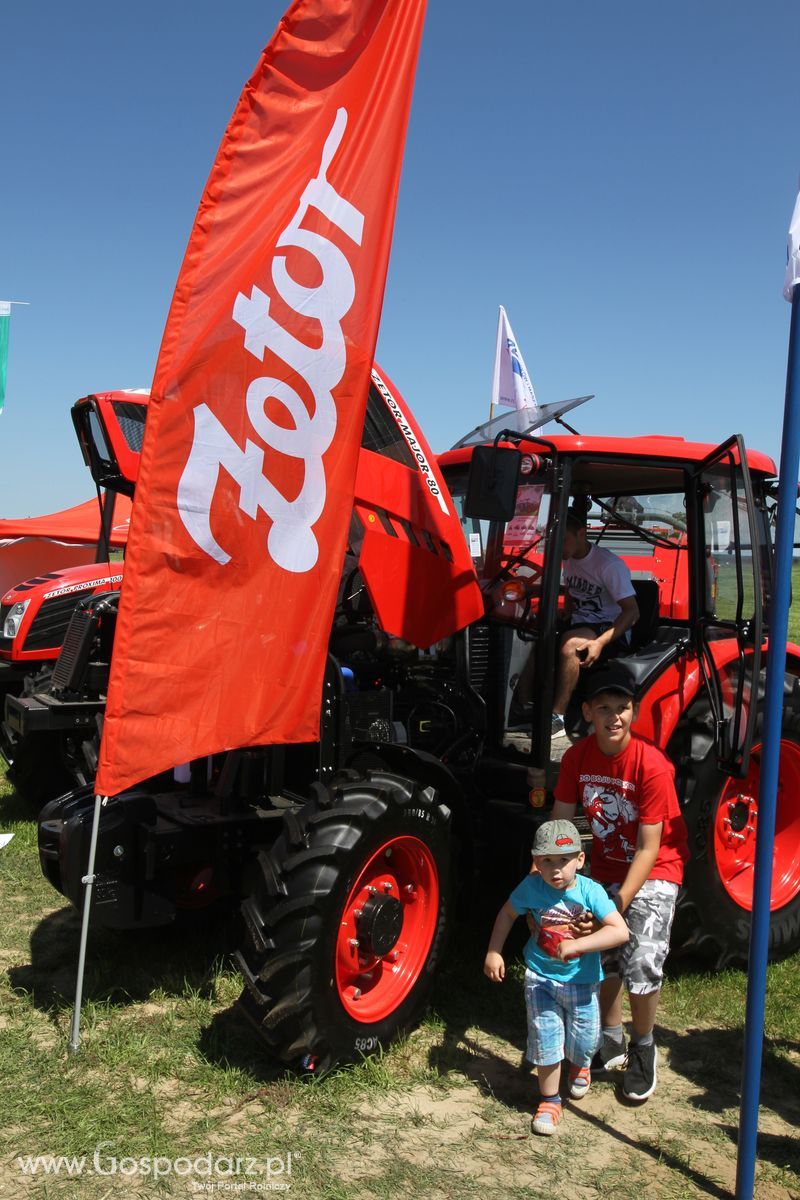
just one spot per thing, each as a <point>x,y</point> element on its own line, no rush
<point>511,384</point>
<point>248,465</point>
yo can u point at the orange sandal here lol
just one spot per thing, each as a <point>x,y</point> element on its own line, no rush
<point>547,1116</point>
<point>580,1079</point>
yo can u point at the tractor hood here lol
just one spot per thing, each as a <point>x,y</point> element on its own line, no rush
<point>413,558</point>
<point>34,615</point>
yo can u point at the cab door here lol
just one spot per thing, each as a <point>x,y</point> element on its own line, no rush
<point>731,565</point>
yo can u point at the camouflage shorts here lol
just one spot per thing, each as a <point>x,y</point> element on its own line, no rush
<point>640,962</point>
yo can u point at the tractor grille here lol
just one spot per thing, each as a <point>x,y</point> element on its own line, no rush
<point>50,623</point>
<point>478,651</point>
<point>70,667</point>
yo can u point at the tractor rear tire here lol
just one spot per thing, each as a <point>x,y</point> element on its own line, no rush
<point>721,816</point>
<point>347,916</point>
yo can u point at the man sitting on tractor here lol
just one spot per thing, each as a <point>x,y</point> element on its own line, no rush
<point>601,607</point>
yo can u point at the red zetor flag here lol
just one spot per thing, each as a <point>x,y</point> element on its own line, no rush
<point>248,466</point>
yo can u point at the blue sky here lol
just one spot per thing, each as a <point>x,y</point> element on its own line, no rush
<point>620,176</point>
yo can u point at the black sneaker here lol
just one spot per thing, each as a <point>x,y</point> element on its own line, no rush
<point>557,729</point>
<point>639,1081</point>
<point>611,1056</point>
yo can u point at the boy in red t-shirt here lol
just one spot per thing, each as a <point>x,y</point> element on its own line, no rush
<point>626,787</point>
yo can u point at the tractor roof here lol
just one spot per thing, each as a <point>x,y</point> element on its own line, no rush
<point>649,449</point>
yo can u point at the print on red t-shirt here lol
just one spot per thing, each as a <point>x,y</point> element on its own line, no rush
<point>614,817</point>
<point>617,794</point>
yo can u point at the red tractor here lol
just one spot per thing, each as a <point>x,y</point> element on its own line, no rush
<point>350,855</point>
<point>50,755</point>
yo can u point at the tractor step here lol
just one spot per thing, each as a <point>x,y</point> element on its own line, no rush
<point>33,714</point>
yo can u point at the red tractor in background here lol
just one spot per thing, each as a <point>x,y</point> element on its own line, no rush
<point>349,855</point>
<point>35,614</point>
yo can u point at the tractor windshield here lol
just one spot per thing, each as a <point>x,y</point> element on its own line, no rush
<point>638,524</point>
<point>509,557</point>
<point>649,532</point>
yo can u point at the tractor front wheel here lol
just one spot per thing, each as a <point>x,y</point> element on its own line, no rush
<point>722,818</point>
<point>347,915</point>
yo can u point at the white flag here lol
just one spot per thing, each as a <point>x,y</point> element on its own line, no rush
<point>512,384</point>
<point>793,253</point>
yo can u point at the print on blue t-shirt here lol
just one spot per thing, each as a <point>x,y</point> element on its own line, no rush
<point>554,910</point>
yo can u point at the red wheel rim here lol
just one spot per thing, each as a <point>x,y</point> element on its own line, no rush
<point>381,948</point>
<point>735,828</point>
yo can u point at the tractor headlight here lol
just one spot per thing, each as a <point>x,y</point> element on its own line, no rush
<point>14,618</point>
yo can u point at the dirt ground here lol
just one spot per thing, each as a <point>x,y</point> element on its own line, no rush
<point>682,1142</point>
<point>469,1135</point>
<point>444,1115</point>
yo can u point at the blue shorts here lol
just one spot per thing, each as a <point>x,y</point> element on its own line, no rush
<point>563,1021</point>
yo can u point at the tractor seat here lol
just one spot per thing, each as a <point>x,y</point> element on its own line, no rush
<point>649,661</point>
<point>644,666</point>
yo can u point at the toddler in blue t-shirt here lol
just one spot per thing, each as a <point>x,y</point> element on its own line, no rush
<point>563,973</point>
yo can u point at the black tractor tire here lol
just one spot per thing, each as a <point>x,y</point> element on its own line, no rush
<point>708,916</point>
<point>38,771</point>
<point>300,909</point>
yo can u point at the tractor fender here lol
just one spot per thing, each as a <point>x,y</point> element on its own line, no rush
<point>428,771</point>
<point>675,689</point>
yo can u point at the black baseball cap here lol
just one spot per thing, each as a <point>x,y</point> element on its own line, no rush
<point>611,677</point>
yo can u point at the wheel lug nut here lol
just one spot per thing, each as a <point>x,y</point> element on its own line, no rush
<point>354,943</point>
<point>372,890</point>
<point>409,888</point>
<point>387,887</point>
<point>357,912</point>
<point>357,993</point>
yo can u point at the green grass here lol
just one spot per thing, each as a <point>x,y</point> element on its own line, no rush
<point>794,611</point>
<point>168,1067</point>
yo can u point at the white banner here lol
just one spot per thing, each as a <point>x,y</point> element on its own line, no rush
<point>512,384</point>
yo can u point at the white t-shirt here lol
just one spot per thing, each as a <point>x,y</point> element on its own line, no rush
<point>596,584</point>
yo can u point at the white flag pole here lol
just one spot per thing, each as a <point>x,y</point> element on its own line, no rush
<point>88,882</point>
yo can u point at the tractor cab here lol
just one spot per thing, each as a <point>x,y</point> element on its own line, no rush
<point>110,431</point>
<point>689,521</point>
<point>49,733</point>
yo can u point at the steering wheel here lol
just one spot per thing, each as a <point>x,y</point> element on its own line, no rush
<point>514,560</point>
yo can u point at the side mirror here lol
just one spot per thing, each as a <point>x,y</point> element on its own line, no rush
<point>492,483</point>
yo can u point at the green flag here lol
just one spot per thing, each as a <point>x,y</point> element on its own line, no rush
<point>5,322</point>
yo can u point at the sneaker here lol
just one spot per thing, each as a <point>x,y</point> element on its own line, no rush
<point>557,729</point>
<point>580,1080</point>
<point>640,1077</point>
<point>547,1116</point>
<point>610,1057</point>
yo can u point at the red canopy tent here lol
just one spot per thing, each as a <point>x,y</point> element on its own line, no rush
<point>29,545</point>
